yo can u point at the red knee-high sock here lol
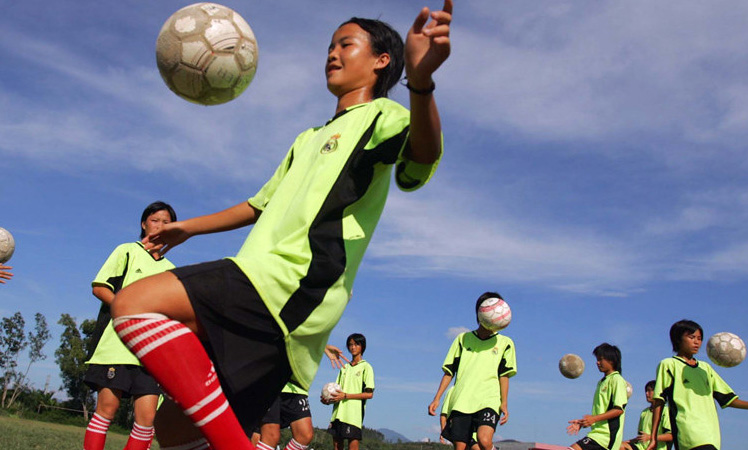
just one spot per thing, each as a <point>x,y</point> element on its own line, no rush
<point>140,438</point>
<point>200,444</point>
<point>96,433</point>
<point>177,360</point>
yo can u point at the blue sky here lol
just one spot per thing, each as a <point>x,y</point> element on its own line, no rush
<point>594,174</point>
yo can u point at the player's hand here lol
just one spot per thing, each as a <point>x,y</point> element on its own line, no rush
<point>574,427</point>
<point>427,46</point>
<point>432,407</point>
<point>652,444</point>
<point>323,401</point>
<point>5,273</point>
<point>336,356</point>
<point>643,437</point>
<point>587,421</point>
<point>442,440</point>
<point>337,396</point>
<point>170,235</point>
<point>504,413</point>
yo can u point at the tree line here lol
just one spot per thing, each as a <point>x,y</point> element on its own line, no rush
<point>72,402</point>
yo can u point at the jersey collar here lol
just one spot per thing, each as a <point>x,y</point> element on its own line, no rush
<point>350,108</point>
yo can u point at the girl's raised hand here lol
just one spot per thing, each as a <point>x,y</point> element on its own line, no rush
<point>427,46</point>
<point>169,236</point>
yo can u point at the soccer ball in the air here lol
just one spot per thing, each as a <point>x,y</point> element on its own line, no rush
<point>329,390</point>
<point>7,245</point>
<point>494,314</point>
<point>629,390</point>
<point>725,349</point>
<point>571,365</point>
<point>206,53</point>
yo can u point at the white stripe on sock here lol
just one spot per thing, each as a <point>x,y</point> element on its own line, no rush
<point>213,415</point>
<point>161,341</point>
<point>204,401</point>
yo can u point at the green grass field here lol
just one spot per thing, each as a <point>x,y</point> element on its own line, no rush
<point>22,434</point>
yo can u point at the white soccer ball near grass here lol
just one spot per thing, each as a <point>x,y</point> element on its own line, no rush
<point>7,245</point>
<point>206,53</point>
<point>725,349</point>
<point>571,366</point>
<point>494,314</point>
<point>329,390</point>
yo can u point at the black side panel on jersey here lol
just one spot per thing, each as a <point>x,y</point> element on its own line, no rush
<point>326,232</point>
<point>105,315</point>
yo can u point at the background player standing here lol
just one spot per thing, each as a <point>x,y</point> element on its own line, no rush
<point>481,361</point>
<point>113,371</point>
<point>356,380</point>
<point>608,405</point>
<point>664,436</point>
<point>690,387</point>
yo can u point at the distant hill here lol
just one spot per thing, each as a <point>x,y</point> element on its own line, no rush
<point>392,436</point>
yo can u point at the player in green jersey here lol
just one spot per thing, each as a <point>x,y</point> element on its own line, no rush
<point>664,436</point>
<point>356,380</point>
<point>113,372</point>
<point>608,405</point>
<point>689,387</point>
<point>481,363</point>
<point>265,316</point>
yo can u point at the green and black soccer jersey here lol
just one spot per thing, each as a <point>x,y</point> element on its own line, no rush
<point>353,380</point>
<point>293,388</point>
<point>476,365</point>
<point>127,264</point>
<point>610,394</point>
<point>689,392</point>
<point>645,426</point>
<point>319,211</point>
<point>447,401</point>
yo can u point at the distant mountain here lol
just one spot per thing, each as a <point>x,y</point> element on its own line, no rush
<point>392,436</point>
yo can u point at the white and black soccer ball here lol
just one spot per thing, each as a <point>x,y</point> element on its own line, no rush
<point>494,314</point>
<point>7,245</point>
<point>571,366</point>
<point>629,390</point>
<point>726,349</point>
<point>207,53</point>
<point>329,390</point>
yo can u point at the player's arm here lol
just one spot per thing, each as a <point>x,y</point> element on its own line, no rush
<point>446,379</point>
<point>739,404</point>
<point>174,233</point>
<point>588,419</point>
<point>656,418</point>
<point>427,46</point>
<point>103,293</point>
<point>367,394</point>
<point>504,386</point>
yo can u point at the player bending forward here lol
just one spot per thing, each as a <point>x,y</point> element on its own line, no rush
<point>481,361</point>
<point>265,315</point>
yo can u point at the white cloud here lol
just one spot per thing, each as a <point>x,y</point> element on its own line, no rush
<point>453,332</point>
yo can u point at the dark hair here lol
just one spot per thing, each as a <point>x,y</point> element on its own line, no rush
<point>650,385</point>
<point>156,207</point>
<point>359,339</point>
<point>483,297</point>
<point>610,353</point>
<point>680,328</point>
<point>383,39</point>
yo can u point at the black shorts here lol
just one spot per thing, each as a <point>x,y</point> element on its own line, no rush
<point>341,430</point>
<point>589,444</point>
<point>286,409</point>
<point>243,339</point>
<point>704,447</point>
<point>131,380</point>
<point>460,426</point>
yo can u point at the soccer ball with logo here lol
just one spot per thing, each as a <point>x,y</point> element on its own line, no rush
<point>7,245</point>
<point>494,314</point>
<point>571,366</point>
<point>726,349</point>
<point>206,53</point>
<point>329,390</point>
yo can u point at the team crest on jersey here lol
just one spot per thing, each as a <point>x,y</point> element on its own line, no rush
<point>111,373</point>
<point>495,350</point>
<point>331,145</point>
